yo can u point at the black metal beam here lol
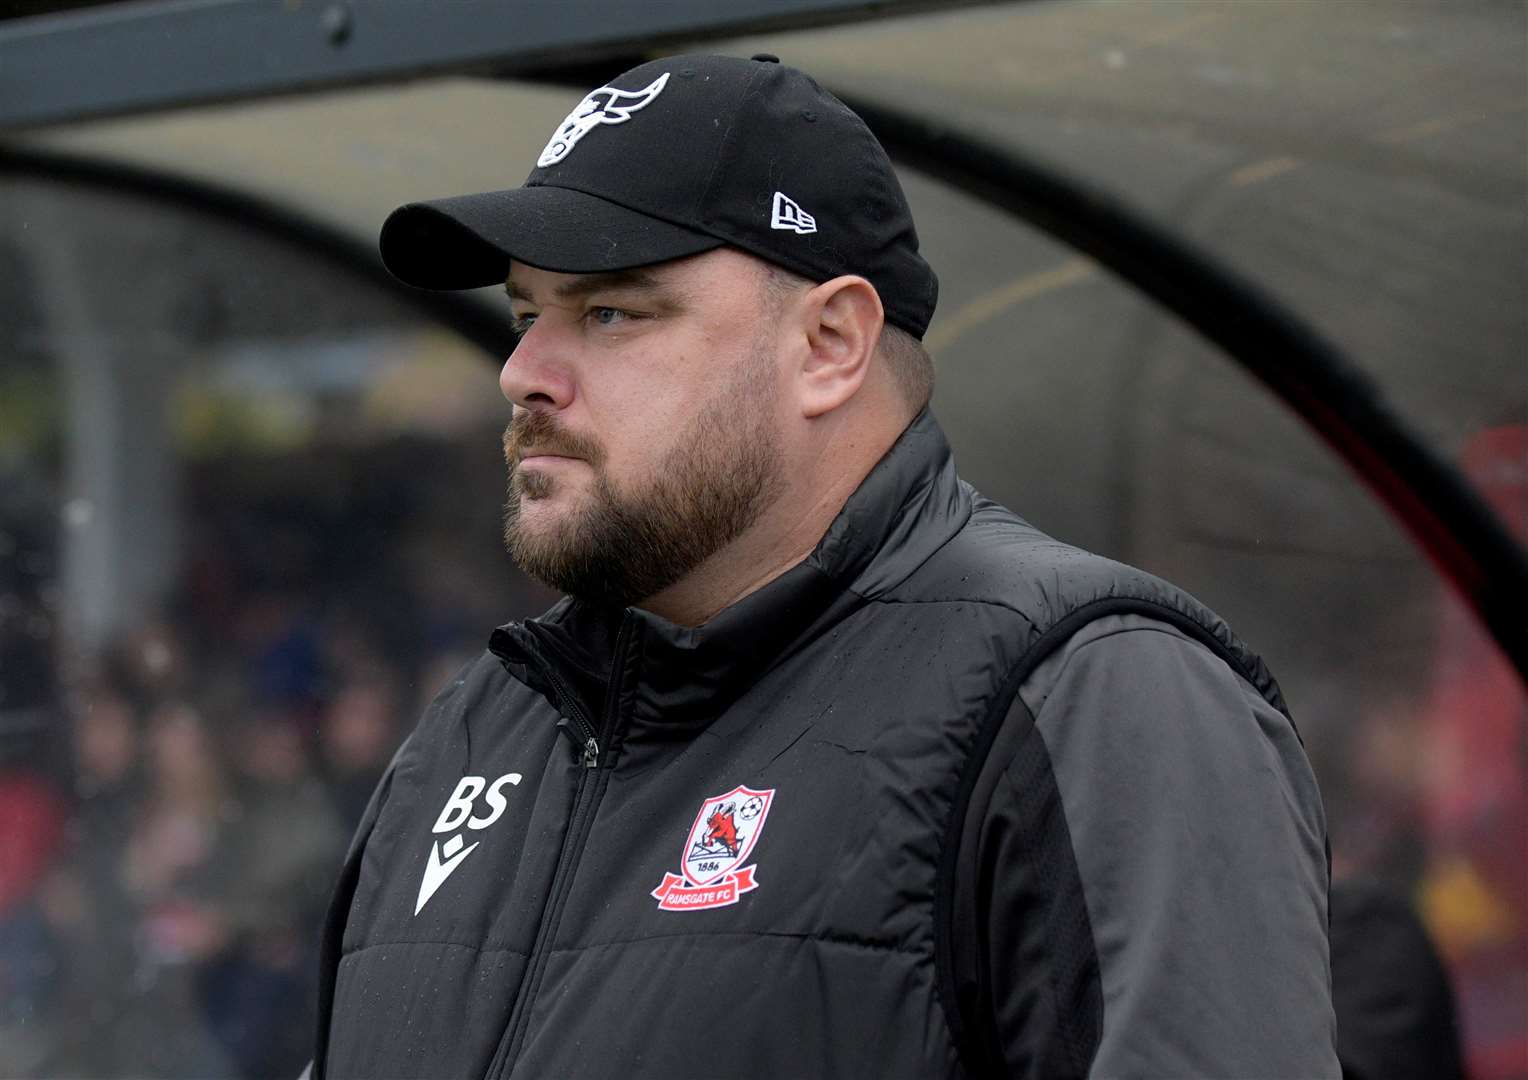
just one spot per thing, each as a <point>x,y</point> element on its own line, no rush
<point>163,54</point>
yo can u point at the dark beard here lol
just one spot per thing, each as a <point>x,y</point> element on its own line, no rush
<point>705,492</point>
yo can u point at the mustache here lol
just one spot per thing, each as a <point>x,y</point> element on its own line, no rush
<point>540,433</point>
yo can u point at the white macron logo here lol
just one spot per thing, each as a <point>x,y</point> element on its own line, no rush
<point>456,812</point>
<point>787,214</point>
<point>607,105</point>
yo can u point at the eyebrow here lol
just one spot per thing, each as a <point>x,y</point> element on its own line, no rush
<point>585,284</point>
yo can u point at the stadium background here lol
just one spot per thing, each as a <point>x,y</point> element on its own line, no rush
<point>249,497</point>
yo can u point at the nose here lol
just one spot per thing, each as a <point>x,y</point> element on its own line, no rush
<point>533,378</point>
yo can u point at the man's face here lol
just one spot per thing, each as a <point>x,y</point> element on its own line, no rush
<point>643,436</point>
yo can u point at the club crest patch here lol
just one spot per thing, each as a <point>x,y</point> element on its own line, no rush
<point>712,871</point>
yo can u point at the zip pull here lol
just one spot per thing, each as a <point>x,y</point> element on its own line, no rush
<point>585,747</point>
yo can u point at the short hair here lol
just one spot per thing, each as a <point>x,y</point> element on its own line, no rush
<point>911,367</point>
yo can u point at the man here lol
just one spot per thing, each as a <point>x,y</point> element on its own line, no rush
<point>826,765</point>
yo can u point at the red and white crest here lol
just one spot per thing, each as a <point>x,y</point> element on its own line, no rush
<point>712,868</point>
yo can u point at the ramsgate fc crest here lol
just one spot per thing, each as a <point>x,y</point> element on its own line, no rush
<point>712,869</point>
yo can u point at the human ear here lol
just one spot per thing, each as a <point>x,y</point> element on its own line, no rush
<point>843,323</point>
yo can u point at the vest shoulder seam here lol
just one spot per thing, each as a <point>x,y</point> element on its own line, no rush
<point>984,601</point>
<point>1153,627</point>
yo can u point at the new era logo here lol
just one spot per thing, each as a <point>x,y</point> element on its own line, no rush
<point>787,214</point>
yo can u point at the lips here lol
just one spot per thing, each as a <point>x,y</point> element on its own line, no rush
<point>536,435</point>
<point>544,452</point>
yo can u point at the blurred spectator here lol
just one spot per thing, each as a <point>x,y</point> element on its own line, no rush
<point>31,826</point>
<point>1473,804</point>
<point>32,815</point>
<point>150,662</point>
<point>86,900</point>
<point>178,869</point>
<point>174,839</point>
<point>1382,835</point>
<point>359,732</point>
<point>1395,1009</point>
<point>287,837</point>
<point>286,842</point>
<point>105,754</point>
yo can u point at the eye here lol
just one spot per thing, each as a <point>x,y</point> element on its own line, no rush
<point>607,316</point>
<point>522,324</point>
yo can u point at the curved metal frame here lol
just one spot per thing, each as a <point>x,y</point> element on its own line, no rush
<point>1430,498</point>
<point>483,324</point>
<point>1425,492</point>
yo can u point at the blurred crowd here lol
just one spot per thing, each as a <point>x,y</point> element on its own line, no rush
<point>162,890</point>
<point>178,786</point>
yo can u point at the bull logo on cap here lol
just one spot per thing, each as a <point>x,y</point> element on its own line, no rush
<point>607,105</point>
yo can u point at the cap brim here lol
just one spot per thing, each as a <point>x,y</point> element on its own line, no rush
<point>467,242</point>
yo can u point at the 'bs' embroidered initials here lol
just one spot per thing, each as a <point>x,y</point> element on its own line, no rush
<point>457,812</point>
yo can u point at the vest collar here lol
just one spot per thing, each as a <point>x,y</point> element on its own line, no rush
<point>680,678</point>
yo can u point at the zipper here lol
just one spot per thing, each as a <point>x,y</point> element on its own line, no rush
<point>575,723</point>
<point>572,720</point>
<point>588,790</point>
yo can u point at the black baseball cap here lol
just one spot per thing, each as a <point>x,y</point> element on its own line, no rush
<point>680,156</point>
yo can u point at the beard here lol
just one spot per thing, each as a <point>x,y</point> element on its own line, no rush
<point>621,547</point>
